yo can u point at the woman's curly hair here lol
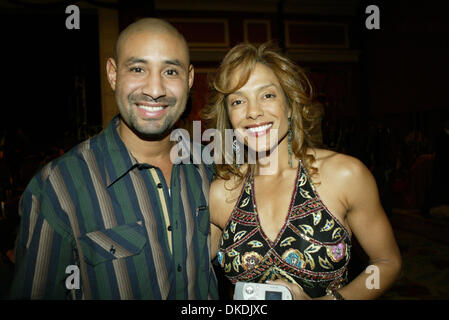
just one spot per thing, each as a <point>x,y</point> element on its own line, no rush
<point>294,82</point>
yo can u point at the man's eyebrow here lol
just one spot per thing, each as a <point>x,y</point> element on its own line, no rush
<point>175,62</point>
<point>133,60</point>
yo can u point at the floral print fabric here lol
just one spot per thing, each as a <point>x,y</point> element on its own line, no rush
<point>312,248</point>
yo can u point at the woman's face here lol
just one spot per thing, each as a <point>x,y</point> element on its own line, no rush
<point>258,111</point>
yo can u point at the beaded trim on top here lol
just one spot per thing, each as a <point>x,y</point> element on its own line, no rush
<point>311,249</point>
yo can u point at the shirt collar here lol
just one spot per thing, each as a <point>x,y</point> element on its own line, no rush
<point>119,161</point>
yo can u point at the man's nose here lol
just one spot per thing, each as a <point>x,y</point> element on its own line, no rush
<point>154,86</point>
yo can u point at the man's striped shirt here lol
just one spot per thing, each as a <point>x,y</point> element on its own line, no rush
<point>129,236</point>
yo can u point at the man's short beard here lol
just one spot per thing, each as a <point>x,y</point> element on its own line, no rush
<point>149,133</point>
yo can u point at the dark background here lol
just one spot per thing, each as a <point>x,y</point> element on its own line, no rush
<point>51,83</point>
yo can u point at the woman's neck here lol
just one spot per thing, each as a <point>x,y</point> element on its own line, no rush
<point>276,161</point>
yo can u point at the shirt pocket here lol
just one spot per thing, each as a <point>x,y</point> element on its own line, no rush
<point>203,219</point>
<point>203,225</point>
<point>114,243</point>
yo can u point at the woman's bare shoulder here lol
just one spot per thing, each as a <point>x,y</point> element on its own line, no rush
<point>225,192</point>
<point>222,197</point>
<point>338,165</point>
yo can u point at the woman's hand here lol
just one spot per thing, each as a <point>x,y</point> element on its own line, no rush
<point>295,289</point>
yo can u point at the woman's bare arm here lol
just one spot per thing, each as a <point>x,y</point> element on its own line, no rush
<point>372,229</point>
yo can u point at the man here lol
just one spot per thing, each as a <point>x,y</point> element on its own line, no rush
<point>116,208</point>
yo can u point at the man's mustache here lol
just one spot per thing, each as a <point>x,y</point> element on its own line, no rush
<point>170,101</point>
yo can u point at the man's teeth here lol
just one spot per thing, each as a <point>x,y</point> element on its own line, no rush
<point>151,109</point>
<point>260,128</point>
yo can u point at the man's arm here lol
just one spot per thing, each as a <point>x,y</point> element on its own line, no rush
<point>41,254</point>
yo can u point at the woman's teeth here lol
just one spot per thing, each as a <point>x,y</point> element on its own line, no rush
<point>260,128</point>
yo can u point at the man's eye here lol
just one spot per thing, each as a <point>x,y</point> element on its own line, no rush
<point>269,95</point>
<point>171,72</point>
<point>136,69</point>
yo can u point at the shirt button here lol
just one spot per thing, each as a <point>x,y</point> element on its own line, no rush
<point>159,185</point>
<point>170,228</point>
<point>179,268</point>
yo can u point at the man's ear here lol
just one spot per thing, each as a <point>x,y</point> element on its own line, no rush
<point>111,72</point>
<point>191,75</point>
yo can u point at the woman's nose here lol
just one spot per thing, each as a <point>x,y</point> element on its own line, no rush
<point>253,110</point>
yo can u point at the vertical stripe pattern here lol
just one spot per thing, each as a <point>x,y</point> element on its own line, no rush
<point>188,216</point>
<point>106,209</point>
<point>151,225</point>
<point>98,209</point>
<point>43,261</point>
<point>163,203</point>
<point>64,201</point>
<point>33,217</point>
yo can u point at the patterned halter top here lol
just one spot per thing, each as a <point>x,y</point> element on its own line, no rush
<point>312,249</point>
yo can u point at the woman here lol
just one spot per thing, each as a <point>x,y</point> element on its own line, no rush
<point>290,223</point>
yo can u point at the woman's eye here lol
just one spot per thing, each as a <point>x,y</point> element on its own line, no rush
<point>269,95</point>
<point>236,102</point>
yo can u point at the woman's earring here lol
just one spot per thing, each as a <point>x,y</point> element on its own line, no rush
<point>289,145</point>
<point>235,145</point>
<point>236,148</point>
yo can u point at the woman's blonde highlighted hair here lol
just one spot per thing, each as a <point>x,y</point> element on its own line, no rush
<point>294,82</point>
